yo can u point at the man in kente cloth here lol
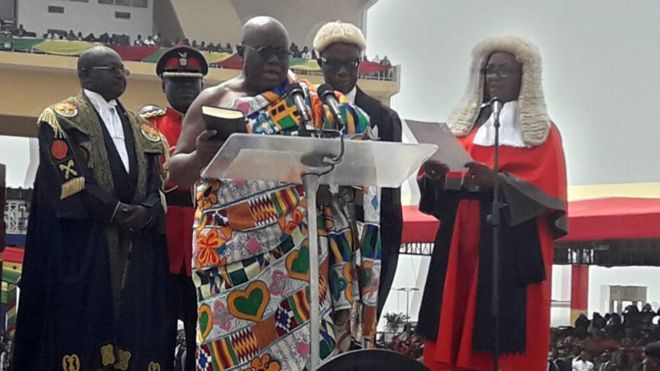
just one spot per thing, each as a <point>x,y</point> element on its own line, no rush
<point>93,285</point>
<point>181,70</point>
<point>250,258</point>
<point>455,316</point>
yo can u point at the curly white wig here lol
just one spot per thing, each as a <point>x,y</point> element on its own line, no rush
<point>533,117</point>
<point>338,32</point>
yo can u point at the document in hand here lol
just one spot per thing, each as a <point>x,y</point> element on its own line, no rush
<point>223,120</point>
<point>450,152</point>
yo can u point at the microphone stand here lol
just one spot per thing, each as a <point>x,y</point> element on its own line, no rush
<point>495,225</point>
<point>319,165</point>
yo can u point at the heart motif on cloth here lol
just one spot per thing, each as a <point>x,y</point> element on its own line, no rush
<point>337,284</point>
<point>204,316</point>
<point>251,303</point>
<point>297,263</point>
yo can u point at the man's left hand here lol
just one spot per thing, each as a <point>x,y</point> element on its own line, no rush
<point>138,218</point>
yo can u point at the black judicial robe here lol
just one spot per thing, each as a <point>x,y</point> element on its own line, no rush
<point>92,293</point>
<point>391,215</point>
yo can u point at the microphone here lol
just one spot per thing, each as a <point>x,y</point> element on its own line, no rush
<point>327,95</point>
<point>297,94</point>
<point>496,105</point>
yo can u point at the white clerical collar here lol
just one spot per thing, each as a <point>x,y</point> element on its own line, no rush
<point>98,101</point>
<point>510,132</point>
<point>351,95</point>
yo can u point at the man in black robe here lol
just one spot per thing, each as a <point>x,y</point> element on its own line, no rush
<point>93,284</point>
<point>340,46</point>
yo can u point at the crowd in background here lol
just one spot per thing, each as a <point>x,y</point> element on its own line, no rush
<point>610,342</point>
<point>156,40</point>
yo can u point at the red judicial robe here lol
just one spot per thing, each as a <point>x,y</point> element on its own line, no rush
<point>455,314</point>
<point>180,213</point>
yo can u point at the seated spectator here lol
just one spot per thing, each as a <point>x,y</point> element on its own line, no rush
<point>211,48</point>
<point>306,54</point>
<point>228,48</point>
<point>138,41</point>
<point>583,362</point>
<point>90,38</point>
<point>386,62</point>
<point>20,31</point>
<point>149,41</point>
<point>194,44</point>
<point>156,38</point>
<point>202,46</point>
<point>652,357</point>
<point>71,36</point>
<point>79,36</point>
<point>104,38</point>
<point>295,51</point>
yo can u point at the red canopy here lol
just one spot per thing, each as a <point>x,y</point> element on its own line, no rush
<point>588,220</point>
<point>418,227</point>
<point>613,218</point>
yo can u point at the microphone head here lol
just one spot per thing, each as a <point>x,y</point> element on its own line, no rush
<point>323,91</point>
<point>496,104</point>
<point>294,88</point>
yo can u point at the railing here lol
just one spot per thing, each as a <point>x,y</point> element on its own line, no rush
<point>390,75</point>
<point>417,248</point>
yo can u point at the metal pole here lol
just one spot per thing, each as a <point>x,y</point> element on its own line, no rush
<point>495,223</point>
<point>311,184</point>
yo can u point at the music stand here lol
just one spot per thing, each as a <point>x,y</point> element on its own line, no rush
<point>305,160</point>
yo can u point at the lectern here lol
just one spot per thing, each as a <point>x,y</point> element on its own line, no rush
<point>313,161</point>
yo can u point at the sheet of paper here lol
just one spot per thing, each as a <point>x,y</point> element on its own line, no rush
<point>450,152</point>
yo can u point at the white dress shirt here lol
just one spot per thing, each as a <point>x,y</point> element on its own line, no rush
<point>351,95</point>
<point>111,120</point>
<point>582,365</point>
<point>510,131</point>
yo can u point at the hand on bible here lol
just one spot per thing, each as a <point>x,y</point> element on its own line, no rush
<point>435,171</point>
<point>206,147</point>
<point>479,177</point>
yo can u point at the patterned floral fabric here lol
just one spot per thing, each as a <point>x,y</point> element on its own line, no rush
<point>251,266</point>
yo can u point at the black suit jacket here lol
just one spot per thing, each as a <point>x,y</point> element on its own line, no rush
<point>389,129</point>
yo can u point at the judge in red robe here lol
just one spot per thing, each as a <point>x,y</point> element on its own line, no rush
<point>455,317</point>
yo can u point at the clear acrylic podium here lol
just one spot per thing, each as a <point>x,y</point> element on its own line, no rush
<point>305,160</point>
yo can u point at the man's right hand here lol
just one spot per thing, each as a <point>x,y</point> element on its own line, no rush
<point>131,217</point>
<point>206,147</point>
<point>435,171</point>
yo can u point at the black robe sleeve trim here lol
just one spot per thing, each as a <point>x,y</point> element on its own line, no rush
<point>526,201</point>
<point>442,205</point>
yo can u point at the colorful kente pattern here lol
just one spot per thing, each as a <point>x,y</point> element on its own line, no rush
<point>251,256</point>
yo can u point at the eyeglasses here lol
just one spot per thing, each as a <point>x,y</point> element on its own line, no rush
<point>336,64</point>
<point>265,52</point>
<point>502,74</point>
<point>112,69</point>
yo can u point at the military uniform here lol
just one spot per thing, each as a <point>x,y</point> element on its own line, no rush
<point>175,63</point>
